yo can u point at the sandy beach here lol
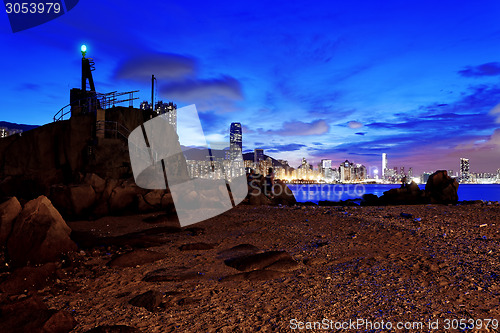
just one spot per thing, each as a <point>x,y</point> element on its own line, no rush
<point>321,264</point>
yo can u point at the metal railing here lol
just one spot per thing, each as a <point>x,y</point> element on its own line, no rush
<point>115,128</point>
<point>99,100</point>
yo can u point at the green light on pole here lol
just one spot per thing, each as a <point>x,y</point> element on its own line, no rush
<point>83,49</point>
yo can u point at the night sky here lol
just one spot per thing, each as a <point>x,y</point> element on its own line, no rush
<point>418,80</point>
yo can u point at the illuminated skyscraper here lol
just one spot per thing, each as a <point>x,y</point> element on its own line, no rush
<point>235,141</point>
<point>464,169</point>
<point>384,164</point>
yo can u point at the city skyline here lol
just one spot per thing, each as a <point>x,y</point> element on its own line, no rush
<point>323,81</point>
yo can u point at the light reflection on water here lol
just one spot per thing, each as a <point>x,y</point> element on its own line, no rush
<point>338,192</point>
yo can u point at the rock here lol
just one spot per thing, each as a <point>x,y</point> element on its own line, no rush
<point>74,200</point>
<point>124,198</point>
<point>283,265</point>
<point>238,251</point>
<point>188,301</point>
<point>82,198</point>
<point>39,234</point>
<point>134,258</point>
<point>196,247</point>
<point>154,198</point>
<point>171,274</point>
<point>256,197</point>
<point>441,188</point>
<point>143,206</point>
<point>32,315</point>
<point>97,183</point>
<point>61,321</point>
<point>167,202</point>
<point>9,210</point>
<point>114,329</point>
<point>256,261</point>
<point>195,231</point>
<point>283,195</point>
<point>149,300</point>
<point>256,275</point>
<point>370,200</point>
<point>407,195</point>
<point>28,279</point>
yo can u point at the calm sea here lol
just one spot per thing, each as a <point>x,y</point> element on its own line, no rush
<point>337,192</point>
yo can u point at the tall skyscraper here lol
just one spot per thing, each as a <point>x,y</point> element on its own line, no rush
<point>235,141</point>
<point>384,164</point>
<point>326,169</point>
<point>258,155</point>
<point>464,169</point>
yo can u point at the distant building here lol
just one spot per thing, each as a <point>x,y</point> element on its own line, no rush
<point>145,106</point>
<point>235,141</point>
<point>384,164</point>
<point>163,108</point>
<point>5,132</point>
<point>424,177</point>
<point>350,172</point>
<point>464,169</point>
<point>326,170</point>
<point>304,171</point>
<point>258,155</point>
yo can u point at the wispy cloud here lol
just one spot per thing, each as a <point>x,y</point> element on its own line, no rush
<point>193,90</point>
<point>162,65</point>
<point>354,124</point>
<point>299,128</point>
<point>283,147</point>
<point>488,69</point>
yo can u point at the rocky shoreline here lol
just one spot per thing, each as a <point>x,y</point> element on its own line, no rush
<point>256,268</point>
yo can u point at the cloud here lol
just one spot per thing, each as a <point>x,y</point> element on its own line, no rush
<point>471,113</point>
<point>299,128</point>
<point>354,124</point>
<point>224,89</point>
<point>165,66</point>
<point>246,130</point>
<point>488,69</point>
<point>495,112</point>
<point>29,86</point>
<point>283,148</point>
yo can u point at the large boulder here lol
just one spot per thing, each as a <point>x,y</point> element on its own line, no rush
<point>441,188</point>
<point>124,198</point>
<point>97,183</point>
<point>283,195</point>
<point>256,197</point>
<point>409,194</point>
<point>32,315</point>
<point>82,198</point>
<point>73,200</point>
<point>258,194</point>
<point>9,210</point>
<point>39,234</point>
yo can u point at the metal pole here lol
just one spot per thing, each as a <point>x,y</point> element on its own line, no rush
<point>152,92</point>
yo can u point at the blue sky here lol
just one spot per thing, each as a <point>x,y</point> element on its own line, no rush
<point>417,80</point>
